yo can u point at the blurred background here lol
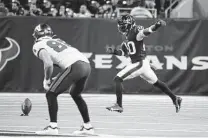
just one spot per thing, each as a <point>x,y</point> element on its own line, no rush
<point>105,8</point>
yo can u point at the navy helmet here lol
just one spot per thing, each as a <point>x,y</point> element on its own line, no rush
<point>125,23</point>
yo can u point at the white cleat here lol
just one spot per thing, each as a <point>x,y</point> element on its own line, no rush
<point>84,131</point>
<point>48,131</point>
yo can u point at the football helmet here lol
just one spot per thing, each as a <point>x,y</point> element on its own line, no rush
<point>42,30</point>
<point>125,23</point>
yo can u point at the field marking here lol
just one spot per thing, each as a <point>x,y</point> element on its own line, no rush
<point>122,129</point>
<point>148,123</point>
<point>136,105</point>
<point>104,115</point>
<point>139,108</point>
<point>97,115</point>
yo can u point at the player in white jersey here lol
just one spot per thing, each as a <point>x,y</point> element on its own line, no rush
<point>75,72</point>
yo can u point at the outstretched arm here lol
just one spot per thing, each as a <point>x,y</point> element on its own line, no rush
<point>154,27</point>
<point>146,32</point>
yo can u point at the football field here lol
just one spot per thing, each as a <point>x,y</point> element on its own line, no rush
<point>144,116</point>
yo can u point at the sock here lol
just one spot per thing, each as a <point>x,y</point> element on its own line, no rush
<point>82,106</point>
<point>53,124</point>
<point>119,91</point>
<point>164,88</point>
<point>52,106</point>
<point>87,125</point>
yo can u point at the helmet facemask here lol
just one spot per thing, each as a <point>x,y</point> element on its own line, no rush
<point>125,24</point>
<point>42,30</point>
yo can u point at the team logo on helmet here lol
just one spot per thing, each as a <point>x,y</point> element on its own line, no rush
<point>9,53</point>
<point>125,23</point>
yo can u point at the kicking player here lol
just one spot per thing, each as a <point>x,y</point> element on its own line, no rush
<point>134,47</point>
<point>75,72</point>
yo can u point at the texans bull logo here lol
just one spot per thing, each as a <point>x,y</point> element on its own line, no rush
<point>9,53</point>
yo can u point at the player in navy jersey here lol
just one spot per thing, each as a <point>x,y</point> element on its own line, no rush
<point>134,47</point>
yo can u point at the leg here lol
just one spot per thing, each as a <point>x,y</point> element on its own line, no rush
<point>75,92</point>
<point>149,75</point>
<point>119,90</point>
<point>164,88</point>
<point>59,85</point>
<point>124,74</point>
<point>52,106</point>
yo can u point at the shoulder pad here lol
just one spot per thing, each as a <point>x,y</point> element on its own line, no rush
<point>36,41</point>
<point>139,27</point>
<point>55,37</point>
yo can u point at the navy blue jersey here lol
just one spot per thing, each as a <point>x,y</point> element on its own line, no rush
<point>134,46</point>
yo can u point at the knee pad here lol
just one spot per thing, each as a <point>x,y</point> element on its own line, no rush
<point>118,79</point>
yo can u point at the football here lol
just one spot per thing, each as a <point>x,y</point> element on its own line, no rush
<point>26,107</point>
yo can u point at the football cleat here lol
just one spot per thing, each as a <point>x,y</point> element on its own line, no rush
<point>116,108</point>
<point>84,131</point>
<point>177,104</point>
<point>48,131</point>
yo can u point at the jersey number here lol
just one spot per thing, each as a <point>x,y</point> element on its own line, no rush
<point>131,47</point>
<point>57,46</point>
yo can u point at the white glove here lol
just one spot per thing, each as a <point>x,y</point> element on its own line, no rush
<point>46,84</point>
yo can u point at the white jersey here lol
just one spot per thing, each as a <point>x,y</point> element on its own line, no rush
<point>62,54</point>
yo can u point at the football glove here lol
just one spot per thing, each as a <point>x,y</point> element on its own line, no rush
<point>160,23</point>
<point>46,84</point>
<point>110,49</point>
